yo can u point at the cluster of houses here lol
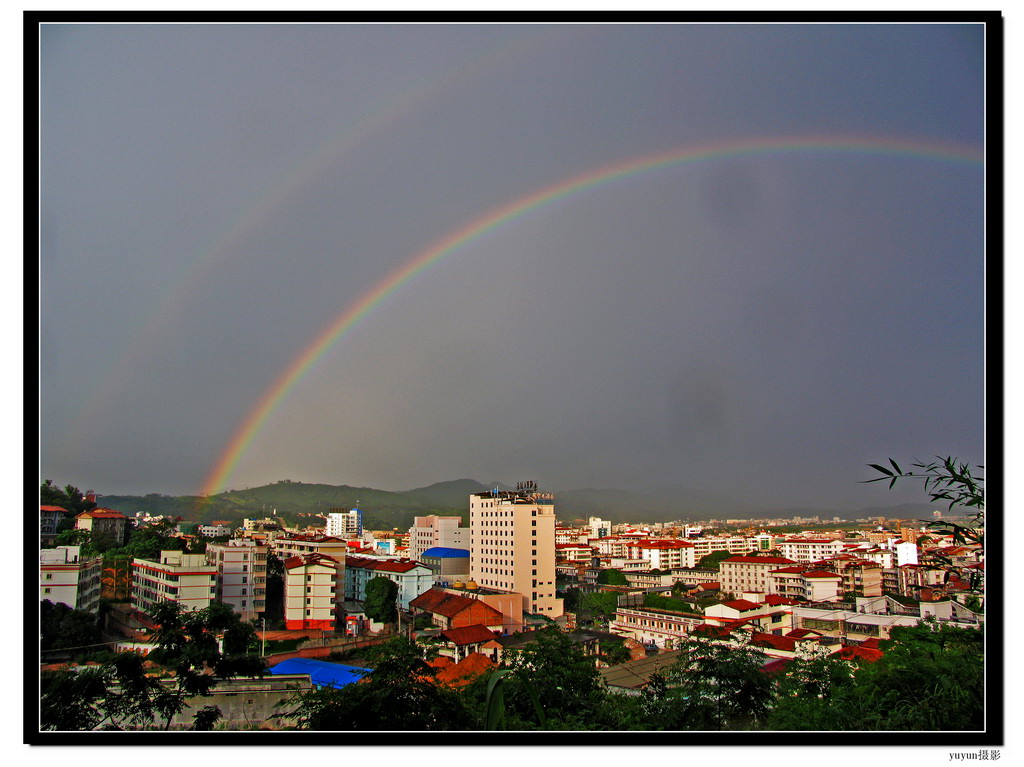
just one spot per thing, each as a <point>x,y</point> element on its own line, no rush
<point>478,591</point>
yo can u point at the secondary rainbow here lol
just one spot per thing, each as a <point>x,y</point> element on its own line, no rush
<point>350,317</point>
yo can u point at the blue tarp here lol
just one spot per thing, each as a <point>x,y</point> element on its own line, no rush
<point>443,552</point>
<point>321,673</point>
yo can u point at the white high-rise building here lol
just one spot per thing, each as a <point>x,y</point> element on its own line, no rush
<point>512,545</point>
<point>344,524</point>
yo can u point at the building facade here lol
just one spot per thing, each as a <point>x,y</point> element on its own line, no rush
<point>512,545</point>
<point>174,577</point>
<point>344,524</point>
<point>311,592</point>
<point>66,578</point>
<point>241,575</point>
<point>434,531</point>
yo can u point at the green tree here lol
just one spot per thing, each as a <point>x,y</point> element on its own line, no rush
<point>120,695</point>
<point>929,678</point>
<point>612,577</point>
<point>61,626</point>
<point>553,673</point>
<point>714,686</point>
<point>379,602</point>
<point>713,560</point>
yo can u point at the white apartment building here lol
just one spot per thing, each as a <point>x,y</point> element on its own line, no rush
<point>175,577</point>
<point>241,575</point>
<point>512,545</point>
<point>344,524</point>
<point>433,531</point>
<point>66,578</point>
<point>809,549</point>
<point>664,554</point>
<point>312,590</point>
<point>599,528</point>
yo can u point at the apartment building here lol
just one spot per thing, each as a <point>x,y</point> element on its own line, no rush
<point>66,578</point>
<point>650,626</point>
<point>344,524</point>
<point>174,577</point>
<point>512,545</point>
<point>311,592</point>
<point>663,554</point>
<point>809,549</point>
<point>739,574</point>
<point>573,553</point>
<point>433,531</point>
<point>241,575</point>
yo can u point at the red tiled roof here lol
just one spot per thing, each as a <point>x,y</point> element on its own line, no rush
<point>53,508</point>
<point>859,653</point>
<point>468,634</point>
<point>822,574</point>
<point>310,559</point>
<point>742,605</point>
<point>777,599</point>
<point>787,644</point>
<point>449,605</point>
<point>102,514</point>
<point>391,566</point>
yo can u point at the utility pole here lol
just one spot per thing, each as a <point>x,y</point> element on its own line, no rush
<point>263,652</point>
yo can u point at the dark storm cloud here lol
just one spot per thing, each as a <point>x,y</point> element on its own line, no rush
<point>761,325</point>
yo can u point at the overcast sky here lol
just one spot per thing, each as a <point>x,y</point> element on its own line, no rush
<point>759,325</point>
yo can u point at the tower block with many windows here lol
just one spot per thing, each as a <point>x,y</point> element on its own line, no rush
<point>512,545</point>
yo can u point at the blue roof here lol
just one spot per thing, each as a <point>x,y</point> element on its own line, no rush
<point>443,552</point>
<point>321,673</point>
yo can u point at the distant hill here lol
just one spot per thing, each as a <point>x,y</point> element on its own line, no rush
<point>301,503</point>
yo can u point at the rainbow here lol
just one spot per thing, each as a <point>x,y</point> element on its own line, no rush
<point>261,206</point>
<point>353,314</point>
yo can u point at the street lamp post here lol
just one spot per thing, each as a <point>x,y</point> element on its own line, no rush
<point>263,652</point>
